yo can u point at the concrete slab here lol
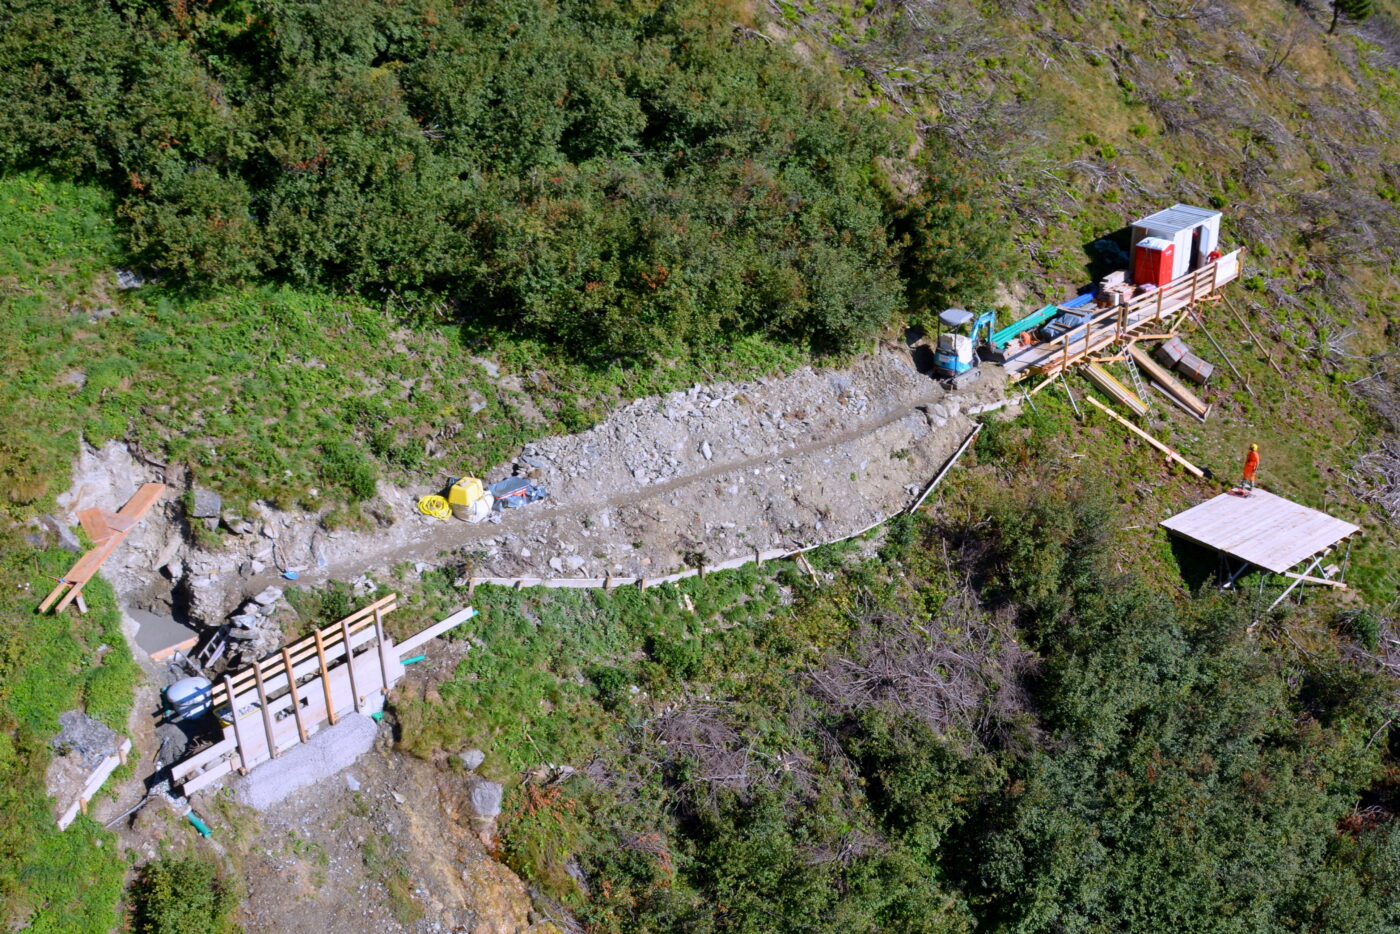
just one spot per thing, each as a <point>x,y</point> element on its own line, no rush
<point>322,756</point>
<point>158,635</point>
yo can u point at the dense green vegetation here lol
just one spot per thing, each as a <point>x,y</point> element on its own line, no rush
<point>1018,738</point>
<point>182,894</point>
<point>623,177</point>
<point>52,880</point>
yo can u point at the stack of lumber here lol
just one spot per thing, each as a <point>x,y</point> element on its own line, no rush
<point>1173,387</point>
<point>1115,390</point>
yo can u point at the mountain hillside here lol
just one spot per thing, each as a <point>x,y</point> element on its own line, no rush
<point>301,254</point>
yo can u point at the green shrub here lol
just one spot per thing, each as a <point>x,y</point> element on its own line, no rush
<point>681,658</point>
<point>612,685</point>
<point>182,895</point>
<point>347,467</point>
<point>618,181</point>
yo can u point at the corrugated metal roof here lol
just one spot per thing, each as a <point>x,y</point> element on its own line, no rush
<point>1177,217</point>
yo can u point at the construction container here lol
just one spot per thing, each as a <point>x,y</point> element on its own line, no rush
<point>1194,234</point>
<point>1170,352</point>
<point>1195,369</point>
<point>1153,258</point>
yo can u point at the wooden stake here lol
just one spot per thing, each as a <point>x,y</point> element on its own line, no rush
<point>266,714</point>
<point>1192,468</point>
<point>325,676</point>
<point>350,665</point>
<point>237,730</point>
<point>383,661</point>
<point>292,687</point>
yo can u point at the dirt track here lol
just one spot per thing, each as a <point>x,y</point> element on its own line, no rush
<point>708,474</point>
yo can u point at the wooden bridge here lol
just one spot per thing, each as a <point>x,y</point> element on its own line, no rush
<point>1118,325</point>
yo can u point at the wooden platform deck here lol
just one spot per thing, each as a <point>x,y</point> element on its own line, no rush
<point>1262,529</point>
<point>1115,325</point>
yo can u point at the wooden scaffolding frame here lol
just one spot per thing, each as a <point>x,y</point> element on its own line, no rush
<point>281,701</point>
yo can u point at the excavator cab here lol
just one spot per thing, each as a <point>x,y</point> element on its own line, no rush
<point>955,357</point>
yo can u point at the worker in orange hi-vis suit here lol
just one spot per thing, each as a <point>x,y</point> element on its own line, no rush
<point>1251,464</point>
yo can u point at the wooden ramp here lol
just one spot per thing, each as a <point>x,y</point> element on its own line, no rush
<point>1116,325</point>
<point>347,667</point>
<point>107,530</point>
<point>1261,529</point>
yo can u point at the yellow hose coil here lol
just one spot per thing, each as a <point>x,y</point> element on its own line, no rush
<point>435,506</point>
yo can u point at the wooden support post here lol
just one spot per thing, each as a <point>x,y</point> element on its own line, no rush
<point>1297,579</point>
<point>296,696</point>
<point>325,676</point>
<point>1228,361</point>
<point>237,730</point>
<point>350,664</point>
<point>758,557</point>
<point>1192,468</point>
<point>383,661</point>
<point>1215,277</point>
<point>81,604</point>
<point>266,714</point>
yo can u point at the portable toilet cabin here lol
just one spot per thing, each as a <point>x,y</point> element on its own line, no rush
<point>1192,232</point>
<point>1154,261</point>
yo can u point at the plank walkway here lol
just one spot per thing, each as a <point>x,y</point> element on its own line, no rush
<point>1115,325</point>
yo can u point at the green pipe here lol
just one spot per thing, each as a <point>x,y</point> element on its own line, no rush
<point>199,825</point>
<point>416,658</point>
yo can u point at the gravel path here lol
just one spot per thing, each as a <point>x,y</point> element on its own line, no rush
<point>713,472</point>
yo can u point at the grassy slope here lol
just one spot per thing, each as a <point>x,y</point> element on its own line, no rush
<point>247,390</point>
<point>1117,111</point>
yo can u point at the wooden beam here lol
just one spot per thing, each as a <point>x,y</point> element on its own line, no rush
<point>1190,467</point>
<point>1315,580</point>
<point>237,730</point>
<point>266,714</point>
<point>325,677</point>
<point>292,688</point>
<point>1120,393</point>
<point>1167,381</point>
<point>350,665</point>
<point>380,649</point>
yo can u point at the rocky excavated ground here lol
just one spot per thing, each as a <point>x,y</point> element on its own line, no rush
<point>704,475</point>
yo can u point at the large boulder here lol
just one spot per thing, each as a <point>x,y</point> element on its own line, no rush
<point>205,504</point>
<point>485,798</point>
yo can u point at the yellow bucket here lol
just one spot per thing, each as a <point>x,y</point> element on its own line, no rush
<point>465,492</point>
